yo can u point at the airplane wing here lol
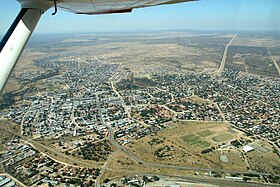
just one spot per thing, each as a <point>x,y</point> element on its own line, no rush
<point>14,41</point>
<point>110,6</point>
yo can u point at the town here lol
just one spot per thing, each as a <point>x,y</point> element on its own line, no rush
<point>90,106</point>
<point>83,119</point>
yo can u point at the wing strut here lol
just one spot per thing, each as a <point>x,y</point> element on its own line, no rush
<point>16,38</point>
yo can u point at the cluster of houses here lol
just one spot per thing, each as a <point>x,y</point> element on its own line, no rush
<point>250,102</point>
<point>189,110</point>
<point>16,152</point>
<point>247,101</point>
<point>32,167</point>
<point>64,111</point>
<point>126,130</point>
<point>151,114</point>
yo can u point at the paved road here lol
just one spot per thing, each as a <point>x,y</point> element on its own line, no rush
<point>222,66</point>
<point>275,63</point>
<point>213,181</point>
<point>121,98</point>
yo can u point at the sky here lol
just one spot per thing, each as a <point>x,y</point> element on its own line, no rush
<point>200,15</point>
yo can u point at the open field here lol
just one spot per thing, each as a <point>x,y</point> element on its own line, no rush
<point>233,160</point>
<point>182,144</point>
<point>199,100</point>
<point>263,159</point>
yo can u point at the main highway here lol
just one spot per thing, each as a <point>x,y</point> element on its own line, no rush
<point>224,58</point>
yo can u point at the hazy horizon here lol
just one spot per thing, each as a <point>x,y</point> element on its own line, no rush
<point>154,30</point>
<point>198,15</point>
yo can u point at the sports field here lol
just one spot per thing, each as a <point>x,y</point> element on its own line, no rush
<point>222,137</point>
<point>195,140</point>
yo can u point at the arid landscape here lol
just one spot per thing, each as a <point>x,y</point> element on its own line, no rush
<point>97,109</point>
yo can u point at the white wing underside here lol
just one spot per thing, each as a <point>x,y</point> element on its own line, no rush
<point>109,6</point>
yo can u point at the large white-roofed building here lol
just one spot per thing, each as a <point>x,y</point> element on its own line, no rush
<point>247,148</point>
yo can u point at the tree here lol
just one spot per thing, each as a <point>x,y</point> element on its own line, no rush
<point>106,180</point>
<point>155,178</point>
<point>145,178</point>
<point>91,182</point>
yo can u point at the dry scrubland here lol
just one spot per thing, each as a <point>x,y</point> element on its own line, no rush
<point>139,52</point>
<point>121,165</point>
<point>182,143</point>
<point>185,147</point>
<point>255,54</point>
